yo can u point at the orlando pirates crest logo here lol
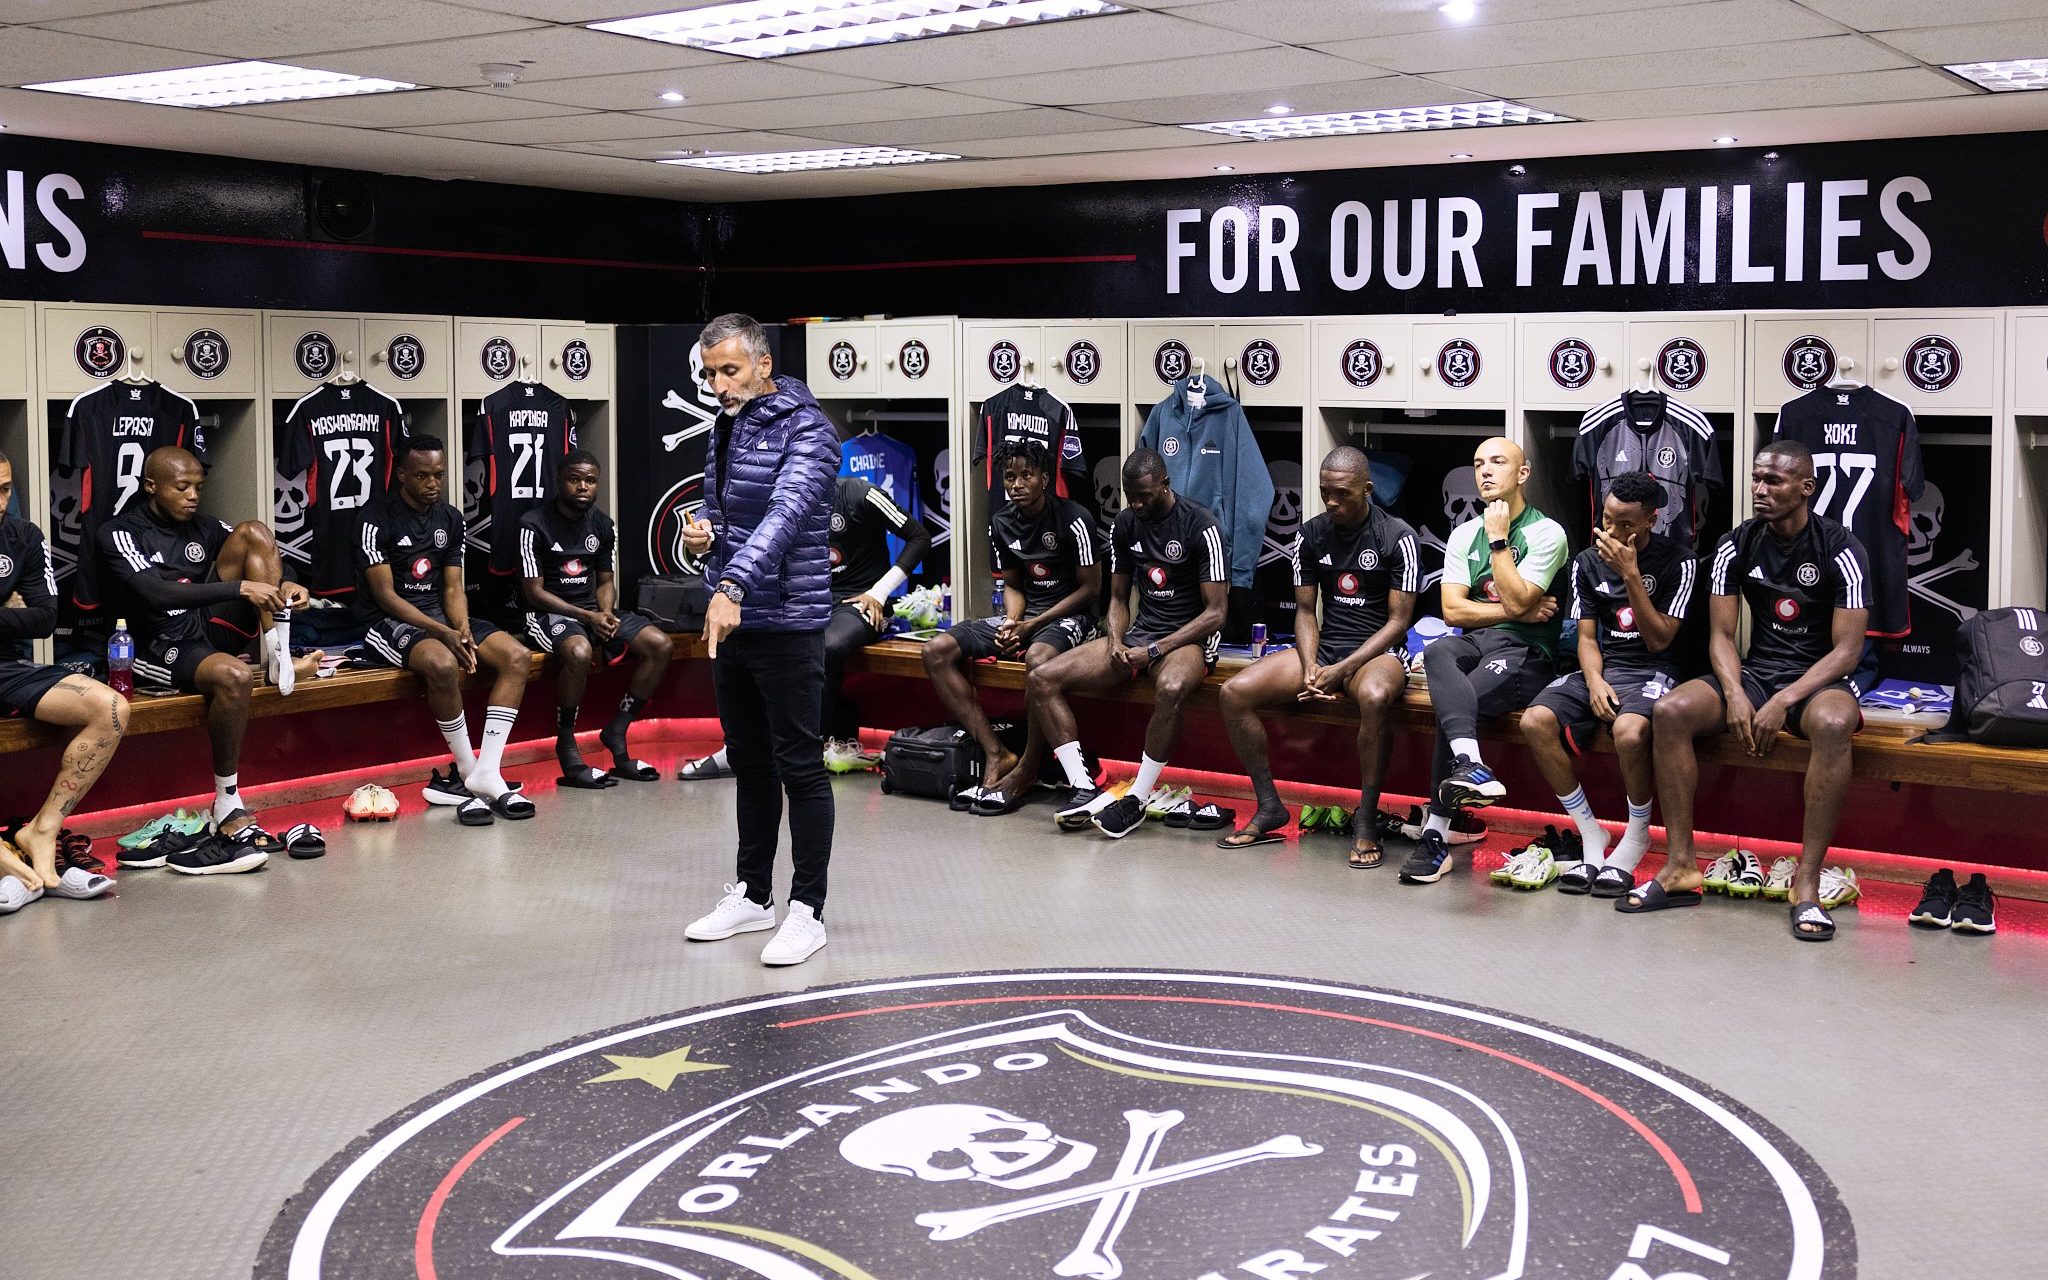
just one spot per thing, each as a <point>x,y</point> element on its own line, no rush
<point>1172,361</point>
<point>406,357</point>
<point>314,357</point>
<point>1369,559</point>
<point>590,543</point>
<point>206,353</point>
<point>914,359</point>
<point>1809,361</point>
<point>6,566</point>
<point>99,352</point>
<point>1809,574</point>
<point>1084,363</point>
<point>499,359</point>
<point>1050,540</point>
<point>1681,363</point>
<point>576,362</point>
<point>842,361</point>
<point>1933,363</point>
<point>2031,646</point>
<point>1457,363</point>
<point>195,552</point>
<point>1361,364</point>
<point>1005,362</point>
<point>1571,364</point>
<point>838,523</point>
<point>440,538</point>
<point>1260,362</point>
<point>1174,549</point>
<point>665,550</point>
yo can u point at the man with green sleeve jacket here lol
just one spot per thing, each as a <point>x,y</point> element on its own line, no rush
<point>1496,587</point>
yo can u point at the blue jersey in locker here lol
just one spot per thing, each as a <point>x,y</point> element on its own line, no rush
<point>891,466</point>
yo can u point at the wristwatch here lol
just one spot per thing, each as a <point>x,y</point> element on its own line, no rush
<point>1152,651</point>
<point>732,591</point>
<point>1498,544</point>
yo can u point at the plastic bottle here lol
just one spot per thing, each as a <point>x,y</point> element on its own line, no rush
<point>121,660</point>
<point>946,605</point>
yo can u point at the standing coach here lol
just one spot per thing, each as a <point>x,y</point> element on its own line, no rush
<point>773,459</point>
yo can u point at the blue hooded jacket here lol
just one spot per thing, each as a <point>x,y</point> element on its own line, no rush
<point>1212,459</point>
<point>773,513</point>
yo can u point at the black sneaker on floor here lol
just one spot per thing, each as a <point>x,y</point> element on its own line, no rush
<point>1976,907</point>
<point>445,790</point>
<point>1430,862</point>
<point>1470,785</point>
<point>158,851</point>
<point>216,856</point>
<point>1466,827</point>
<point>1121,818</point>
<point>1079,807</point>
<point>1937,901</point>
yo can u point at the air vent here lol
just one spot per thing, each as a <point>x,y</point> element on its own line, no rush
<point>343,208</point>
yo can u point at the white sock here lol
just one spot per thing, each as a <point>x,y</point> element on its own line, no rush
<point>279,638</point>
<point>1148,776</point>
<point>487,781</point>
<point>456,734</point>
<point>1468,748</point>
<point>718,757</point>
<point>1069,756</point>
<point>1438,822</point>
<point>1635,841</point>
<point>1580,811</point>
<point>227,795</point>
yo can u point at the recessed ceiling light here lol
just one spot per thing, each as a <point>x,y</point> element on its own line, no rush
<point>227,84</point>
<point>672,96</point>
<point>2009,76</point>
<point>1726,140</point>
<point>775,28</point>
<point>1226,168</point>
<point>1464,115</point>
<point>799,161</point>
<point>1459,10</point>
<point>1278,109</point>
<point>1461,155</point>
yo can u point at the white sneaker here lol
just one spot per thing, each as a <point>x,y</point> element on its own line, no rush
<point>1534,868</point>
<point>799,938</point>
<point>1778,883</point>
<point>14,895</point>
<point>733,914</point>
<point>1720,871</point>
<point>1838,887</point>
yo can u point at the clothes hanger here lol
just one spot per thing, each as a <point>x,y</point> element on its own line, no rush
<point>135,377</point>
<point>348,376</point>
<point>1845,379</point>
<point>526,369</point>
<point>1197,385</point>
<point>1028,379</point>
<point>1644,381</point>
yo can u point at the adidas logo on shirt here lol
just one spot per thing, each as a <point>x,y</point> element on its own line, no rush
<point>1325,560</point>
<point>1757,572</point>
<point>405,541</point>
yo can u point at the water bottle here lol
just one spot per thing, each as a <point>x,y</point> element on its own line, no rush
<point>946,605</point>
<point>996,600</point>
<point>121,660</point>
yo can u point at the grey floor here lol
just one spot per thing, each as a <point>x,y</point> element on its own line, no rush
<point>181,1059</point>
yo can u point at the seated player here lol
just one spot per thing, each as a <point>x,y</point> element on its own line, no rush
<point>94,715</point>
<point>863,579</point>
<point>199,595</point>
<point>1806,579</point>
<point>409,589</point>
<point>1361,563</point>
<point>1631,591</point>
<point>1173,550</point>
<point>1044,546</point>
<point>566,554</point>
<point>1498,568</point>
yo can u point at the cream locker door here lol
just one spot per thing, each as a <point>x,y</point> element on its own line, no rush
<point>576,360</point>
<point>1696,360</point>
<point>2030,364</point>
<point>488,355</point>
<point>1163,353</point>
<point>1466,363</point>
<point>211,354</point>
<point>1937,364</point>
<point>917,360</point>
<point>83,346</point>
<point>1572,364</point>
<point>16,324</point>
<point>1271,361</point>
<point>1086,363</point>
<point>993,356</point>
<point>1362,360</point>
<point>1790,356</point>
<point>842,361</point>
<point>302,351</point>
<point>408,356</point>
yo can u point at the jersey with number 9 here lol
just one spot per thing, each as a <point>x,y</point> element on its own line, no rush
<point>108,433</point>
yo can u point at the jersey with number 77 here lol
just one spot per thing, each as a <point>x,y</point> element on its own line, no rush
<point>345,438</point>
<point>1867,474</point>
<point>521,437</point>
<point>108,433</point>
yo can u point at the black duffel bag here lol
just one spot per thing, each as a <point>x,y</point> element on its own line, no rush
<point>677,603</point>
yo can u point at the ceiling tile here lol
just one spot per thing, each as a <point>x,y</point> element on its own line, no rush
<point>1307,99</point>
<point>1251,70</point>
<point>241,29</point>
<point>1319,21</point>
<point>30,55</point>
<point>584,10</point>
<point>587,126</point>
<point>1150,137</point>
<point>1723,66</point>
<point>547,53</point>
<point>1981,42</point>
<point>58,10</point>
<point>839,110</point>
<point>662,148</point>
<point>1768,95</point>
<point>945,131</point>
<point>729,81</point>
<point>1893,15</point>
<point>1042,47</point>
<point>398,110</point>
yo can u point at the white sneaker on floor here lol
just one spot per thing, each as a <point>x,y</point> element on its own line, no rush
<point>799,938</point>
<point>1838,887</point>
<point>733,914</point>
<point>14,895</point>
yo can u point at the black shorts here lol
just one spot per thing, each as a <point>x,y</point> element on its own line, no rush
<point>391,642</point>
<point>1329,654</point>
<point>1636,691</point>
<point>549,629</point>
<point>23,684</point>
<point>977,636</point>
<point>1212,645</point>
<point>172,666</point>
<point>1759,691</point>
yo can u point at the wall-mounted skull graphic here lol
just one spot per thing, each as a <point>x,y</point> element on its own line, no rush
<point>1925,525</point>
<point>66,530</point>
<point>954,1142</point>
<point>1108,478</point>
<point>288,502</point>
<point>473,484</point>
<point>942,476</point>
<point>1285,517</point>
<point>1461,496</point>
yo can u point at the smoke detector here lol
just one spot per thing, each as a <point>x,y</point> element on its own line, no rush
<point>500,75</point>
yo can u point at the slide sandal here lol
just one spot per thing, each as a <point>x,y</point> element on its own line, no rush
<point>1655,897</point>
<point>1805,913</point>
<point>588,778</point>
<point>703,769</point>
<point>1249,838</point>
<point>1211,817</point>
<point>633,770</point>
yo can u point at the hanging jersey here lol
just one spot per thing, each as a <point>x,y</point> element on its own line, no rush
<point>418,545</point>
<point>1792,589</point>
<point>525,430</point>
<point>108,433</point>
<point>1353,570</point>
<point>567,555</point>
<point>345,439</point>
<point>891,466</point>
<point>1030,413</point>
<point>1600,593</point>
<point>866,535</point>
<point>1538,545</point>
<point>1043,555</point>
<point>1649,431</point>
<point>138,542</point>
<point>24,571</point>
<point>1867,473</point>
<point>1168,560</point>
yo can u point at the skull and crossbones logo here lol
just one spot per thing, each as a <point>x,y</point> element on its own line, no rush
<point>1924,527</point>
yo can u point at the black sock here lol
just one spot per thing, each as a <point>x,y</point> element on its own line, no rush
<point>566,751</point>
<point>614,735</point>
<point>1362,818</point>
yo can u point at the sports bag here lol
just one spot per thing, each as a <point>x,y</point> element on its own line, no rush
<point>2002,693</point>
<point>677,603</point>
<point>940,762</point>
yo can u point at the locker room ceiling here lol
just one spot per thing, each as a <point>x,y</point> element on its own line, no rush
<point>1087,100</point>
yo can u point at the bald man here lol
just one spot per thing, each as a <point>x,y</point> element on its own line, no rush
<point>199,595</point>
<point>1496,588</point>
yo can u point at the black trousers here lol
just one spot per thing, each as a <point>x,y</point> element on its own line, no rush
<point>1481,673</point>
<point>847,630</point>
<point>768,684</point>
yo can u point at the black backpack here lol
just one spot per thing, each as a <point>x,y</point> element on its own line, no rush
<point>2002,694</point>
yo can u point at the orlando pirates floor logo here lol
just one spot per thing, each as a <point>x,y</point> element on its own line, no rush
<point>99,352</point>
<point>206,353</point>
<point>1809,361</point>
<point>499,359</point>
<point>1260,362</point>
<point>576,361</point>
<point>1084,363</point>
<point>842,361</point>
<point>1005,362</point>
<point>1933,363</point>
<point>1172,361</point>
<point>914,359</point>
<point>1362,364</point>
<point>406,357</point>
<point>1457,363</point>
<point>1034,1126</point>
<point>314,356</point>
<point>1681,363</point>
<point>1571,364</point>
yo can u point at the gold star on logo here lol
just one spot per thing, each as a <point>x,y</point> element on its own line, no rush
<point>660,1071</point>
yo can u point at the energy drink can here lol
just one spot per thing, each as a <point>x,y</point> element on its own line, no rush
<point>1258,639</point>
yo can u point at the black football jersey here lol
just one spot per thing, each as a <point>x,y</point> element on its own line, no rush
<point>1030,413</point>
<point>567,555</point>
<point>1354,569</point>
<point>1867,473</point>
<point>345,438</point>
<point>418,545</point>
<point>1793,589</point>
<point>1168,560</point>
<point>24,571</point>
<point>108,433</point>
<point>1649,431</point>
<point>1599,593</point>
<point>1042,556</point>
<point>521,437</point>
<point>863,517</point>
<point>139,542</point>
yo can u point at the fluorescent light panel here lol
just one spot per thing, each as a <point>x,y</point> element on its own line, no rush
<point>2009,76</point>
<point>800,161</point>
<point>1464,115</point>
<point>776,28</point>
<point>227,84</point>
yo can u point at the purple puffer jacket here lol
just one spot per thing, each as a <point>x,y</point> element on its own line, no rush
<point>774,514</point>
